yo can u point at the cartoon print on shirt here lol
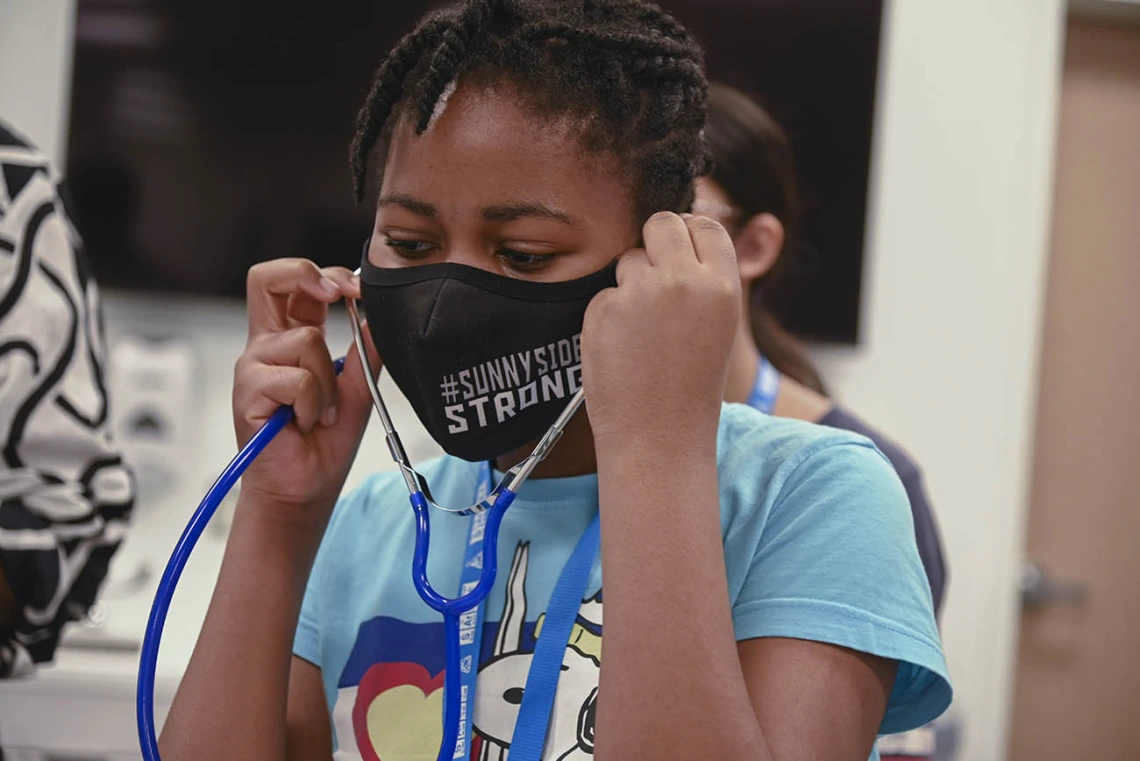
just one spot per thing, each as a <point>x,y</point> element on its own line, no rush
<point>502,679</point>
<point>390,693</point>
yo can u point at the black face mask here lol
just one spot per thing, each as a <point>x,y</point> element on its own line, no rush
<point>488,362</point>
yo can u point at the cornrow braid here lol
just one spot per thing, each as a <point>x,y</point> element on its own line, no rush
<point>658,19</point>
<point>603,39</point>
<point>627,75</point>
<point>448,57</point>
<point>387,88</point>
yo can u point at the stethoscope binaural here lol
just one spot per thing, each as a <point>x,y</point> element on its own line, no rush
<point>495,504</point>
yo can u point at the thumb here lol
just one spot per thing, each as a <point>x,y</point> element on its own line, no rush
<point>354,396</point>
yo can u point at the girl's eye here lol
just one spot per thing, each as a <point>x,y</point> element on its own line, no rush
<point>524,262</point>
<point>410,249</point>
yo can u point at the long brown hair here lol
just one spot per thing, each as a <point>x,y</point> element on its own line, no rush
<point>752,162</point>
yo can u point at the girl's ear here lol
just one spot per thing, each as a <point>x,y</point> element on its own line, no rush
<point>758,246</point>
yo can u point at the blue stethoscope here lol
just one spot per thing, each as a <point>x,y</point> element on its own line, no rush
<point>462,614</point>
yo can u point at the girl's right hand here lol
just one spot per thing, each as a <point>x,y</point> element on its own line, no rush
<point>286,361</point>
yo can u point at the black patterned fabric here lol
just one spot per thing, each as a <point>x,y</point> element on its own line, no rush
<point>65,493</point>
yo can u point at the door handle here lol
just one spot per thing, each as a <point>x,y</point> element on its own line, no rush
<point>1038,588</point>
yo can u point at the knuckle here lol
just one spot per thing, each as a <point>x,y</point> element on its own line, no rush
<point>336,273</point>
<point>661,218</point>
<point>600,302</point>
<point>706,225</point>
<point>255,386</point>
<point>256,348</point>
<point>726,290</point>
<point>670,282</point>
<point>277,268</point>
<point>245,374</point>
<point>255,275</point>
<point>310,337</point>
<point>601,306</point>
<point>305,386</point>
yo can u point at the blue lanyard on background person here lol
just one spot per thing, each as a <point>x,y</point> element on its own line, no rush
<point>766,388</point>
<point>533,720</point>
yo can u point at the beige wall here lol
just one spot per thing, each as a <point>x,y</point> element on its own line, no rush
<point>958,230</point>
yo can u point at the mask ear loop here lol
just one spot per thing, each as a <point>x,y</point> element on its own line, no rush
<point>416,483</point>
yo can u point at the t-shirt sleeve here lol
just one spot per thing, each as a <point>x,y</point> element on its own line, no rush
<point>926,534</point>
<point>307,640</point>
<point>836,562</point>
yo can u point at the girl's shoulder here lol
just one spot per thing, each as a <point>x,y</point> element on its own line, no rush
<point>774,469</point>
<point>750,437</point>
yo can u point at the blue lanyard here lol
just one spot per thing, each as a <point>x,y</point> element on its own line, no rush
<point>546,665</point>
<point>766,388</point>
<point>471,621</point>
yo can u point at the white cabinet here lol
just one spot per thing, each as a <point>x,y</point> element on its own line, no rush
<point>82,709</point>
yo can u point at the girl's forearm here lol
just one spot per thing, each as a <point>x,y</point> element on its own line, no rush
<point>671,684</point>
<point>231,701</point>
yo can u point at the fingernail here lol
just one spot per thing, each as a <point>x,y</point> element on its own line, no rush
<point>328,417</point>
<point>329,287</point>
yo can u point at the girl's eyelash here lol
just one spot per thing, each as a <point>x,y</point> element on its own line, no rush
<point>524,260</point>
<point>408,247</point>
<point>519,260</point>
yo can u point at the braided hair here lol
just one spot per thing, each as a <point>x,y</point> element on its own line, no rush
<point>627,74</point>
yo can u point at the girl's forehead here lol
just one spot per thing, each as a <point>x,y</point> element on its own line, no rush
<point>485,143</point>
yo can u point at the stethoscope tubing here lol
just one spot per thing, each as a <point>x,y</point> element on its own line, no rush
<point>451,608</point>
<point>463,603</point>
<point>495,505</point>
<point>148,660</point>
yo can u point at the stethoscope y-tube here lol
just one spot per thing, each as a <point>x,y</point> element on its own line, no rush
<point>496,503</point>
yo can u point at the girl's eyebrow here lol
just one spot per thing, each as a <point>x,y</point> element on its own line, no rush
<point>512,211</point>
<point>498,213</point>
<point>414,205</point>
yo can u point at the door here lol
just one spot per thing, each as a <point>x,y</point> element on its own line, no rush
<point>1077,693</point>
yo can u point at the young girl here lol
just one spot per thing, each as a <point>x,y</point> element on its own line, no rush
<point>763,596</point>
<point>752,192</point>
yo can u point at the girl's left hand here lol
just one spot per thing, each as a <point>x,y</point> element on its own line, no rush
<point>655,349</point>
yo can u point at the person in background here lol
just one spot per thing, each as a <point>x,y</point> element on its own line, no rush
<point>752,191</point>
<point>65,492</point>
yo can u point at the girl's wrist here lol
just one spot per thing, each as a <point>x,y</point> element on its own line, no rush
<point>661,452</point>
<point>293,527</point>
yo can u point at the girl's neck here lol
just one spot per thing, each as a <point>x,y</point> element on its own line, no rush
<point>743,363</point>
<point>795,400</point>
<point>573,455</point>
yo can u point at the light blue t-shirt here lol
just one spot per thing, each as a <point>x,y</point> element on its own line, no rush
<point>818,545</point>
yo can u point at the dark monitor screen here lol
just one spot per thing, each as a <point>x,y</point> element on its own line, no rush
<point>208,135</point>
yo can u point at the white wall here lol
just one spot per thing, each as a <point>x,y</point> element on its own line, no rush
<point>948,359</point>
<point>960,198</point>
<point>35,70</point>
